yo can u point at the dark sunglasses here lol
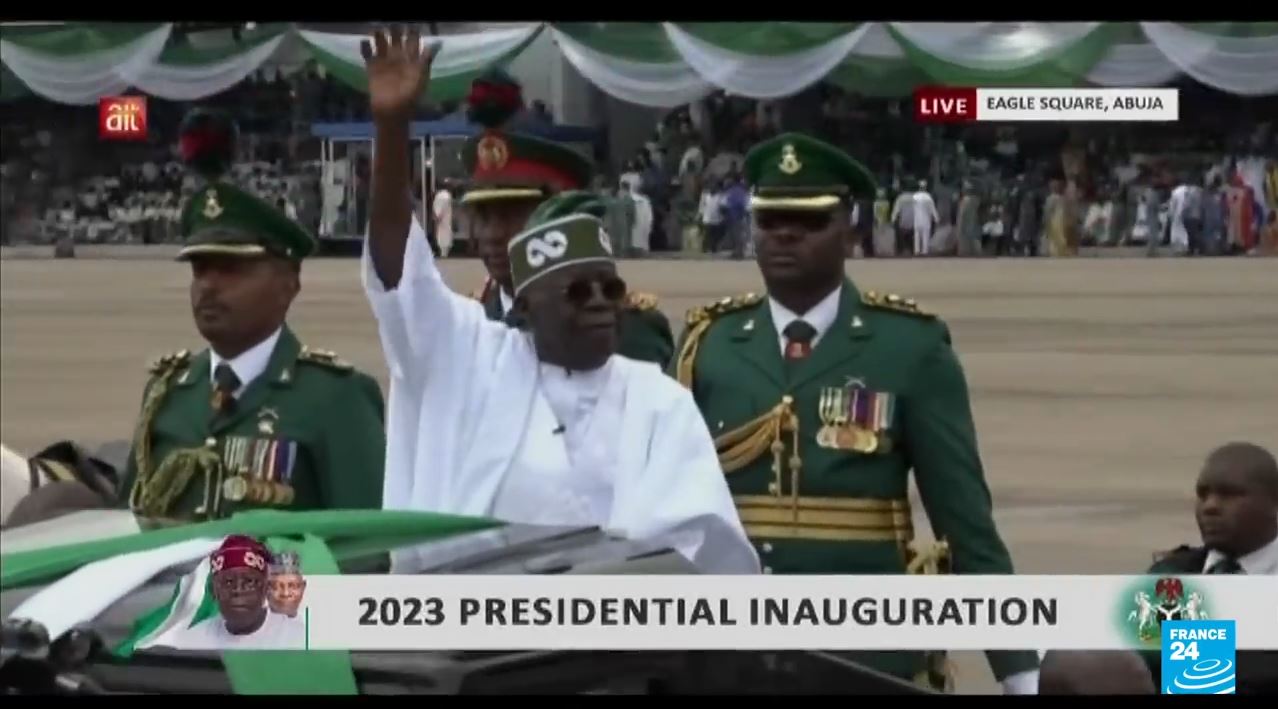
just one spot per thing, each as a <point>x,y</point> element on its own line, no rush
<point>579,291</point>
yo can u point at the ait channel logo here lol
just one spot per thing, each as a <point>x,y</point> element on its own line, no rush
<point>1154,601</point>
<point>1198,657</point>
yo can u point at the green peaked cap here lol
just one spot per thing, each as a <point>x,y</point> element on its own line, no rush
<point>565,229</point>
<point>224,219</point>
<point>796,172</point>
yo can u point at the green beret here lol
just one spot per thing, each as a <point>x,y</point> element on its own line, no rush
<point>795,172</point>
<point>224,219</point>
<point>565,229</point>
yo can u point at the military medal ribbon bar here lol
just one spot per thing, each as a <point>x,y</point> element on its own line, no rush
<point>855,418</point>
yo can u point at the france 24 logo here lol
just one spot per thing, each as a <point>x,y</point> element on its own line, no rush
<point>1198,657</point>
<point>122,118</point>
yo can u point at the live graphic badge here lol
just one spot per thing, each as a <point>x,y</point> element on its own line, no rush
<point>1198,657</point>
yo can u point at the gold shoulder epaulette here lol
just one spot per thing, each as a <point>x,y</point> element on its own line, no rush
<point>324,358</point>
<point>892,301</point>
<point>170,361</point>
<point>699,321</point>
<point>722,306</point>
<point>638,300</point>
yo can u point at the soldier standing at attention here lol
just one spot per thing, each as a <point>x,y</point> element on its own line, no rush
<point>256,419</point>
<point>511,174</point>
<point>822,398</point>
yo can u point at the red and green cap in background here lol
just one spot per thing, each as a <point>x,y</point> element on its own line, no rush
<point>504,164</point>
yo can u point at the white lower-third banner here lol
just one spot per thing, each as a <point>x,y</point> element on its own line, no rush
<point>765,612</point>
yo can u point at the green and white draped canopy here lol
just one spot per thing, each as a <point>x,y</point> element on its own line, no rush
<point>670,64</point>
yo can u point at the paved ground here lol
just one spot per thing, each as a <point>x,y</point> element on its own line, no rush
<point>1099,384</point>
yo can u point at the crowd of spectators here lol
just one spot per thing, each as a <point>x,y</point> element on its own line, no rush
<point>992,189</point>
<point>1031,189</point>
<point>60,179</point>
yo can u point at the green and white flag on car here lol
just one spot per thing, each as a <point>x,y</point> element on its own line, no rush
<point>192,603</point>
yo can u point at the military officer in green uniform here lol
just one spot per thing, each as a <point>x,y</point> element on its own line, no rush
<point>511,173</point>
<point>256,419</point>
<point>823,397</point>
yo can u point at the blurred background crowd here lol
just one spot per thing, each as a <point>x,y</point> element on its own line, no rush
<point>1207,184</point>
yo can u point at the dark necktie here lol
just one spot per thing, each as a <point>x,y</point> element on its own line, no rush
<point>1227,565</point>
<point>225,383</point>
<point>798,340</point>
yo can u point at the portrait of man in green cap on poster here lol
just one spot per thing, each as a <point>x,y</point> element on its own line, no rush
<point>256,419</point>
<point>823,398</point>
<point>511,173</point>
<point>541,424</point>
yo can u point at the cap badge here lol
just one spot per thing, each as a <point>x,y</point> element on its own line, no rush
<point>789,160</point>
<point>492,153</point>
<point>212,208</point>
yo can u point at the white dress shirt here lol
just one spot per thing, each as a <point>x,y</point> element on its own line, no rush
<point>249,364</point>
<point>1262,562</point>
<point>821,316</point>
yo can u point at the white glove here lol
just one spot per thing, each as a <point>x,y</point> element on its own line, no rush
<point>1021,683</point>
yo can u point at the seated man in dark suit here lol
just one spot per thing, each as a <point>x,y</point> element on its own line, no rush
<point>1237,512</point>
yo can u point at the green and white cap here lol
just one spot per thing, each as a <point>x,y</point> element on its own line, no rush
<point>565,229</point>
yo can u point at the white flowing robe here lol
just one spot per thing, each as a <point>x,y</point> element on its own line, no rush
<point>924,218</point>
<point>469,430</point>
<point>1179,234</point>
<point>15,481</point>
<point>641,231</point>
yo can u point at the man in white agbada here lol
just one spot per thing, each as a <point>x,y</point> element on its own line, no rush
<point>443,209</point>
<point>925,218</point>
<point>641,230</point>
<point>541,425</point>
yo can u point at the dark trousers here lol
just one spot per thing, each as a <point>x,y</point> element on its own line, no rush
<point>1194,228</point>
<point>904,241</point>
<point>734,235</point>
<point>714,236</point>
<point>434,245</point>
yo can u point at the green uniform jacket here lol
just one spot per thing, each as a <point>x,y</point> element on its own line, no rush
<point>845,510</point>
<point>645,331</point>
<point>308,433</point>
